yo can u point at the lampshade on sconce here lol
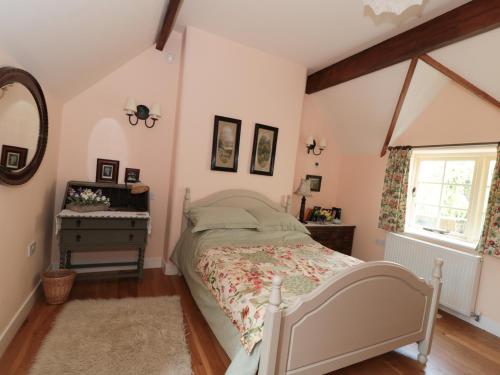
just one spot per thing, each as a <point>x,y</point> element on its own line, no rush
<point>141,112</point>
<point>311,145</point>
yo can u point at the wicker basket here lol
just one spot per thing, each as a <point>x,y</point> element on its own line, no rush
<point>57,285</point>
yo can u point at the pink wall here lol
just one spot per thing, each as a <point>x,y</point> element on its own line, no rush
<point>26,214</point>
<point>455,116</point>
<point>221,77</point>
<point>95,126</point>
<point>314,124</point>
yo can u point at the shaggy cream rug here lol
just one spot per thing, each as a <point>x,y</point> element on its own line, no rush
<point>117,336</point>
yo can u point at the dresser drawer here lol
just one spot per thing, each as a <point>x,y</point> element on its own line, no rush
<point>338,238</point>
<point>72,238</point>
<point>104,223</point>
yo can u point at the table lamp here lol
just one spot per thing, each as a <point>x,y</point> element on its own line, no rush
<point>303,190</point>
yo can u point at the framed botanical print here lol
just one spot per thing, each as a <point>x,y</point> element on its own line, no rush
<point>107,171</point>
<point>265,139</point>
<point>315,182</point>
<point>225,144</point>
<point>13,157</point>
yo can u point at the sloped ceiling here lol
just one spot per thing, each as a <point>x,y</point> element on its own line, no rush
<point>70,44</point>
<point>426,84</point>
<point>314,33</point>
<point>360,111</point>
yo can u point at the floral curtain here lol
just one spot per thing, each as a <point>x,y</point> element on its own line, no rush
<point>393,206</point>
<point>490,239</point>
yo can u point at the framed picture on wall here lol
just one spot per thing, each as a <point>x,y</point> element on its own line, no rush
<point>107,171</point>
<point>13,157</point>
<point>225,144</point>
<point>132,175</point>
<point>315,182</point>
<point>265,139</point>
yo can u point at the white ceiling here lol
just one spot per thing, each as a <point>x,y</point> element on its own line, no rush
<point>315,33</point>
<point>426,84</point>
<point>70,44</point>
<point>359,111</point>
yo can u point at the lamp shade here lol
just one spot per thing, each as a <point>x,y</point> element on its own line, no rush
<point>130,106</point>
<point>309,140</point>
<point>304,188</point>
<point>391,6</point>
<point>155,111</point>
<point>322,144</point>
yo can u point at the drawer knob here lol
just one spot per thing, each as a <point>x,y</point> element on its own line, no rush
<point>78,222</point>
<point>78,238</point>
<point>130,237</point>
<point>132,223</point>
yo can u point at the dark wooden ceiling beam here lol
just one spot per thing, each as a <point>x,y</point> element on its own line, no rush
<point>168,23</point>
<point>470,19</point>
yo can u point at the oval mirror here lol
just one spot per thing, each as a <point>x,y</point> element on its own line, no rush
<point>23,126</point>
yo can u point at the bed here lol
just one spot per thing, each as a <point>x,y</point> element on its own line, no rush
<point>360,311</point>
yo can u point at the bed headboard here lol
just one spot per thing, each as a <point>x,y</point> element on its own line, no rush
<point>234,198</point>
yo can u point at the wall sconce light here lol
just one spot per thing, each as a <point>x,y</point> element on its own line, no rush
<point>141,112</point>
<point>311,145</point>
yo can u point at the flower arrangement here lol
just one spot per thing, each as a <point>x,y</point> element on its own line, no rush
<point>86,200</point>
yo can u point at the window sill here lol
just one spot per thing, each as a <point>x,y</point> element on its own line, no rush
<point>439,239</point>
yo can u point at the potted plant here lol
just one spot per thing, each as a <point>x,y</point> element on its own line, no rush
<point>86,200</point>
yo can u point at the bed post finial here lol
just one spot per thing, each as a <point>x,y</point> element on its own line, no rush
<point>272,324</point>
<point>424,346</point>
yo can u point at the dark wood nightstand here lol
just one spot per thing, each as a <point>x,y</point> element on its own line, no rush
<point>335,237</point>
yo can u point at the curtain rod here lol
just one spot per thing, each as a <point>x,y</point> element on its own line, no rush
<point>447,145</point>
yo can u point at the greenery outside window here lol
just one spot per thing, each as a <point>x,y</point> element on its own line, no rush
<point>448,192</point>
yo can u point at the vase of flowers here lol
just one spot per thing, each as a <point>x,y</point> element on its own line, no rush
<point>86,200</point>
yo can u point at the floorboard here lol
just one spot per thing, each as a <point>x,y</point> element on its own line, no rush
<point>458,347</point>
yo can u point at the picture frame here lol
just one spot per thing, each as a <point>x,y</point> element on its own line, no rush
<point>265,139</point>
<point>107,171</point>
<point>132,175</point>
<point>225,144</point>
<point>13,158</point>
<point>315,182</point>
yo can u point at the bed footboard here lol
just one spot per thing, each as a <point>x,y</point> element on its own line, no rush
<point>368,310</point>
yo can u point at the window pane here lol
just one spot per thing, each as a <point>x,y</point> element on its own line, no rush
<point>453,220</point>
<point>431,171</point>
<point>456,196</point>
<point>429,193</point>
<point>490,172</point>
<point>426,216</point>
<point>459,172</point>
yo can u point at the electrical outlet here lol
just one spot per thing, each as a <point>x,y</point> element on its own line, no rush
<point>380,242</point>
<point>31,248</point>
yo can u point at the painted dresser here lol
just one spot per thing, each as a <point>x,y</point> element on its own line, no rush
<point>124,227</point>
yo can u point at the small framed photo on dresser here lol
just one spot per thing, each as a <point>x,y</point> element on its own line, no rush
<point>107,171</point>
<point>225,144</point>
<point>132,175</point>
<point>265,139</point>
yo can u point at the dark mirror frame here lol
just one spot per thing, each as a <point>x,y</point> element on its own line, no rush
<point>12,75</point>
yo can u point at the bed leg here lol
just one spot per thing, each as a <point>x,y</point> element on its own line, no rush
<point>272,325</point>
<point>424,346</point>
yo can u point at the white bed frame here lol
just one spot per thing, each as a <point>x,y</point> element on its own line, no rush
<point>364,311</point>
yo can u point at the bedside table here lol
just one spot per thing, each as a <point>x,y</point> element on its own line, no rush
<point>337,237</point>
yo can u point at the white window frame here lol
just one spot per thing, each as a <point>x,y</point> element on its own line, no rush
<point>482,156</point>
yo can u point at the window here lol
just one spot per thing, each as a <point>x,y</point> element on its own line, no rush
<point>448,192</point>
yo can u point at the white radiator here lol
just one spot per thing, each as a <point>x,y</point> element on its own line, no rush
<point>461,270</point>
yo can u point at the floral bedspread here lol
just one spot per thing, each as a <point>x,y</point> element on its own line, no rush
<point>240,279</point>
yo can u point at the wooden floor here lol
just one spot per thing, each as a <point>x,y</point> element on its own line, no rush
<point>458,348</point>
